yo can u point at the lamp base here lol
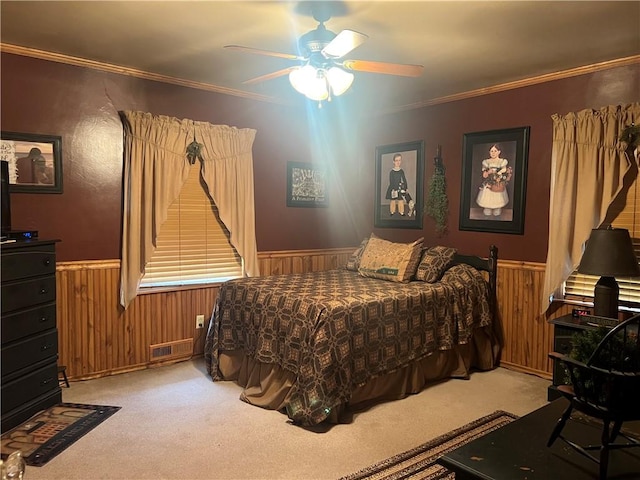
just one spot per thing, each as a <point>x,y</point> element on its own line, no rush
<point>605,301</point>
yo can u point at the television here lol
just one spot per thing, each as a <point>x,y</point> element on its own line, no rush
<point>5,199</point>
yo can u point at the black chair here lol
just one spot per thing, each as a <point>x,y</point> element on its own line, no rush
<point>62,370</point>
<point>605,387</point>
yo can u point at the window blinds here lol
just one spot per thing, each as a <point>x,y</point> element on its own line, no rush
<point>625,212</point>
<point>193,244</point>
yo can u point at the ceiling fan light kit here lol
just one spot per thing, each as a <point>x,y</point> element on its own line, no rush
<point>322,75</point>
<point>339,80</point>
<point>320,84</point>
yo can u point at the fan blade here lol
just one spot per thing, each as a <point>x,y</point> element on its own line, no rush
<point>259,51</point>
<point>269,76</point>
<point>382,67</point>
<point>343,43</point>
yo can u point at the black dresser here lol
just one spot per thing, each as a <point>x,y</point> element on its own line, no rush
<point>29,335</point>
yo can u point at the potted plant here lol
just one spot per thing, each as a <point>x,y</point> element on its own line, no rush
<point>620,354</point>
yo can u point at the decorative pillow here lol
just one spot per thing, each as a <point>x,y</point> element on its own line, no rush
<point>354,260</point>
<point>387,260</point>
<point>434,262</point>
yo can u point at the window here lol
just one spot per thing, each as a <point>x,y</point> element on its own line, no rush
<point>193,244</point>
<point>625,211</point>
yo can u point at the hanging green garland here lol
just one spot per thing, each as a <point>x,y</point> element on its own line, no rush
<point>631,135</point>
<point>194,151</point>
<point>437,206</point>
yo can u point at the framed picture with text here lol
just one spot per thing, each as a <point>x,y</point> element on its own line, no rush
<point>306,185</point>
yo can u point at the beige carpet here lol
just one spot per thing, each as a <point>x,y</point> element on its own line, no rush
<point>175,423</point>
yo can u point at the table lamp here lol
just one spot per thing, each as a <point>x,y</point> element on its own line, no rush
<point>609,253</point>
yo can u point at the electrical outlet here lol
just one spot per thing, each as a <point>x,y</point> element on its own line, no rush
<point>199,321</point>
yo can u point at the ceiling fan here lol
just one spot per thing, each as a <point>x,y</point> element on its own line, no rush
<point>322,70</point>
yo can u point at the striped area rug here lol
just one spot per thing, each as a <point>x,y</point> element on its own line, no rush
<point>420,463</point>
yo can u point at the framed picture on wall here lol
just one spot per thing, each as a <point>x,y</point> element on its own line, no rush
<point>35,162</point>
<point>399,185</point>
<point>494,172</point>
<point>306,185</point>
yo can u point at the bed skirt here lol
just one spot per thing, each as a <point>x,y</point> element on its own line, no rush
<point>268,385</point>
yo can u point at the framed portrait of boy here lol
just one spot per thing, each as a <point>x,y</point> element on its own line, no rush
<point>494,170</point>
<point>399,185</point>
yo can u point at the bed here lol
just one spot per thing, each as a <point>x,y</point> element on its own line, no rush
<point>322,345</point>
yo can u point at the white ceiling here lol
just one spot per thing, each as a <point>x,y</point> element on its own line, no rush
<point>463,45</point>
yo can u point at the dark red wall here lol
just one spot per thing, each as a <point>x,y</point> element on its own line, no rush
<point>531,106</point>
<point>82,106</point>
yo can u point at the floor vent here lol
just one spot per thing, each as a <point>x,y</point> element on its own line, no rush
<point>171,350</point>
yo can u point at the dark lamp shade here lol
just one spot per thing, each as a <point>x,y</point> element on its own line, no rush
<point>609,253</point>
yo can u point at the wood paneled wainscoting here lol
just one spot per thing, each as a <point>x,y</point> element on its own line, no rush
<point>98,338</point>
<point>527,334</point>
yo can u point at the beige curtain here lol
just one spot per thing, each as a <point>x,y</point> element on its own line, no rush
<point>155,169</point>
<point>227,170</point>
<point>588,164</point>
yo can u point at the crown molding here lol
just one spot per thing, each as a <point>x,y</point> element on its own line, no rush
<point>110,68</point>
<point>132,72</point>
<point>549,77</point>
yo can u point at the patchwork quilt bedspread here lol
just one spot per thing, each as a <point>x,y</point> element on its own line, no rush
<point>335,329</point>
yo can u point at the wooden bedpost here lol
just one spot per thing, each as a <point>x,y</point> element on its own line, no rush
<point>493,278</point>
